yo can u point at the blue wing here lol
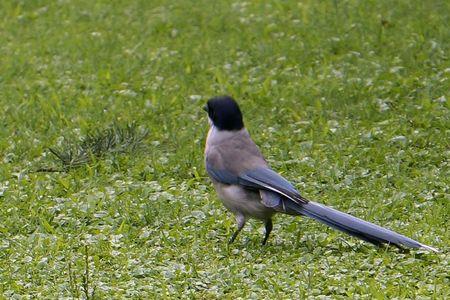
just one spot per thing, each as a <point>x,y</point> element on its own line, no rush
<point>267,179</point>
<point>222,176</point>
<point>259,178</point>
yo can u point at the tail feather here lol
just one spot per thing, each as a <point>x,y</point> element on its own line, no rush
<point>351,225</point>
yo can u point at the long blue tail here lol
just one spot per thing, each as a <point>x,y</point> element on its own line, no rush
<point>354,226</point>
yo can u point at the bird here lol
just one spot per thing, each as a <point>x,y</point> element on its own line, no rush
<point>249,188</point>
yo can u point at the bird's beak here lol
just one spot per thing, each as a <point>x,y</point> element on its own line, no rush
<point>205,108</point>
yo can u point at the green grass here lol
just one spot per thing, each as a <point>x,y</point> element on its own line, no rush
<point>347,99</point>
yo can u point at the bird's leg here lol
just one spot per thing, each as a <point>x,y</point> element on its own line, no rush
<point>269,227</point>
<point>240,219</point>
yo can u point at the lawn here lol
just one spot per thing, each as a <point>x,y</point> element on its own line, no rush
<point>349,100</point>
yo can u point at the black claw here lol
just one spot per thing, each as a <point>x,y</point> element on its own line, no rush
<point>240,224</point>
<point>233,237</point>
<point>235,234</point>
<point>268,230</point>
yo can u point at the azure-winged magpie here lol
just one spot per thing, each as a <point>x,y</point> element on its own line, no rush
<point>249,188</point>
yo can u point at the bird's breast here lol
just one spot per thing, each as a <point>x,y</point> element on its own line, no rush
<point>242,201</point>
